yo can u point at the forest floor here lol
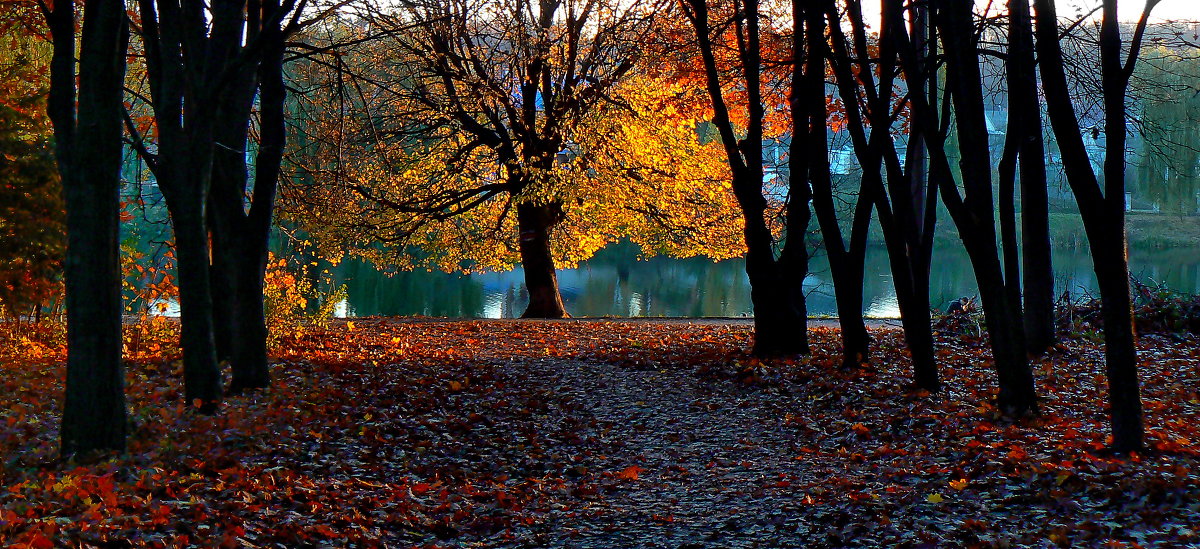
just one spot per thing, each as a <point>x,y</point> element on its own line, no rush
<point>399,433</point>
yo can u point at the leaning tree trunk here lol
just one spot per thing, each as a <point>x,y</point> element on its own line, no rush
<point>89,157</point>
<point>973,214</point>
<point>1017,396</point>
<point>535,224</point>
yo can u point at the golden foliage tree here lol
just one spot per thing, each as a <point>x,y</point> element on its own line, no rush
<point>482,138</point>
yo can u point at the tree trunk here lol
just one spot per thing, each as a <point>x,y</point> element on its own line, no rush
<point>535,224</point>
<point>779,328</point>
<point>250,369</point>
<point>1017,396</point>
<point>94,413</point>
<point>1036,263</point>
<point>1103,212</point>
<point>201,374</point>
<point>907,219</point>
<point>226,212</point>
<point>856,342</point>
<point>89,156</point>
<point>1120,350</point>
<point>973,212</point>
<point>234,318</point>
<point>1109,246</point>
<point>223,288</point>
<point>918,336</point>
<point>810,123</point>
<point>776,286</point>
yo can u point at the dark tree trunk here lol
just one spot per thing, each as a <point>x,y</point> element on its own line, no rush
<point>201,374</point>
<point>252,370</point>
<point>244,234</point>
<point>1109,246</point>
<point>1007,213</point>
<point>780,328</point>
<point>1103,212</point>
<point>907,218</point>
<point>535,224</point>
<point>776,285</point>
<point>222,286</point>
<point>1005,333</point>
<point>225,212</point>
<point>973,213</point>
<point>234,318</point>
<point>1036,264</point>
<point>89,158</point>
<point>810,135</point>
<point>250,360</point>
<point>1120,349</point>
<point>202,71</point>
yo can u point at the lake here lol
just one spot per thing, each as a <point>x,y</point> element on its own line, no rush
<point>617,283</point>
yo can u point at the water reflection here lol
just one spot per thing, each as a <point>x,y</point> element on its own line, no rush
<point>616,283</point>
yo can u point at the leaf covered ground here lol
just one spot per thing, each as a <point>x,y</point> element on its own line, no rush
<point>399,433</point>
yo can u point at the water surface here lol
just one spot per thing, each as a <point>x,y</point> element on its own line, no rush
<point>617,283</point>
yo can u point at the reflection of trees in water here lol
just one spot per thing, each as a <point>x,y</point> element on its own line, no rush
<point>660,287</point>
<point>616,283</point>
<point>370,292</point>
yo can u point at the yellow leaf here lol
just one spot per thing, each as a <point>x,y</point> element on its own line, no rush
<point>958,484</point>
<point>934,498</point>
<point>350,326</point>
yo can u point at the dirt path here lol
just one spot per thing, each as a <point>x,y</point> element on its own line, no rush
<point>703,453</point>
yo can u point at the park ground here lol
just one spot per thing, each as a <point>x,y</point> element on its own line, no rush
<point>601,433</point>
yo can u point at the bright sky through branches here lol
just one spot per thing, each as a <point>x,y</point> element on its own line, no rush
<point>1129,10</point>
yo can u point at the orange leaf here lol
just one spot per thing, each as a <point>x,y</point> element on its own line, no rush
<point>630,473</point>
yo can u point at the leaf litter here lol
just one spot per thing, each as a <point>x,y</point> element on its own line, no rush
<point>604,433</point>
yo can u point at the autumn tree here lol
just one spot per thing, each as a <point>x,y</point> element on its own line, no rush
<point>902,190</point>
<point>809,159</point>
<point>1024,145</point>
<point>967,192</point>
<point>520,133</point>
<point>204,66</point>
<point>87,70</point>
<point>776,271</point>
<point>32,231</point>
<point>1101,197</point>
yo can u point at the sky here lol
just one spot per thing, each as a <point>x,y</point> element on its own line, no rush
<point>1128,10</point>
